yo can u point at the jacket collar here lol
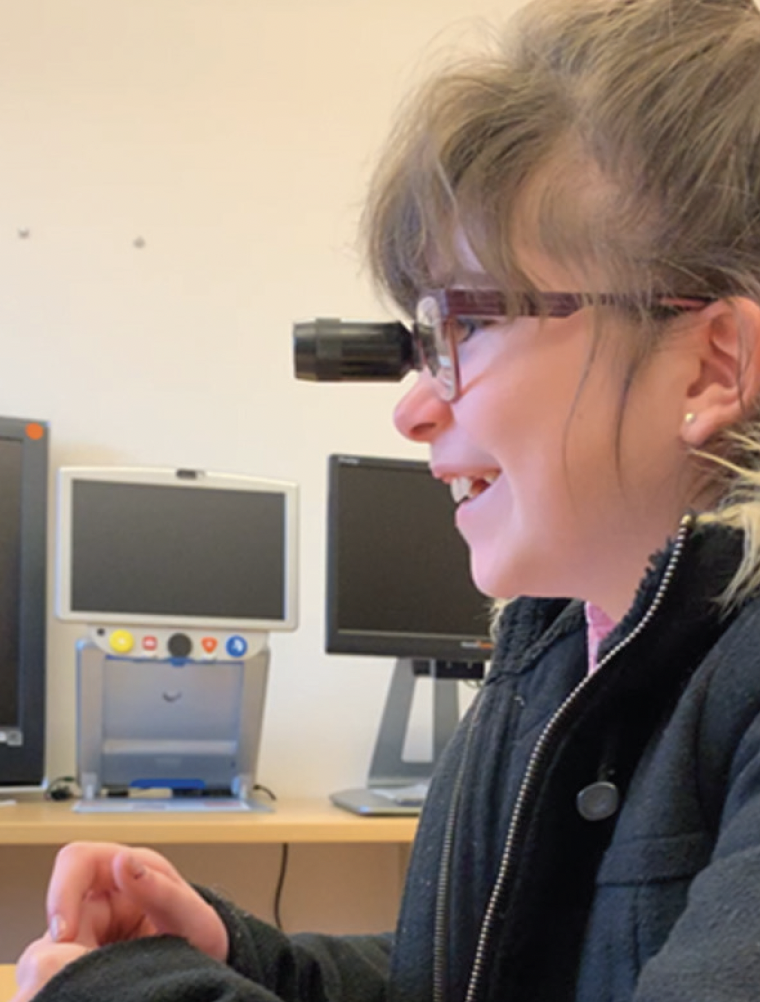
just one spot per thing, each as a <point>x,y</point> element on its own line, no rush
<point>528,627</point>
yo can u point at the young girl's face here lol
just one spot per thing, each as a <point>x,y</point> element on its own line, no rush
<point>532,439</point>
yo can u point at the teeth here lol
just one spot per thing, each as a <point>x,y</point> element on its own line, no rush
<point>460,488</point>
<point>465,487</point>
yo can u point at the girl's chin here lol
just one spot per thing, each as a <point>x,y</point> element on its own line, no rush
<point>492,581</point>
<point>509,577</point>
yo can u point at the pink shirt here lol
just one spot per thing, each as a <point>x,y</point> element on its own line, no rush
<point>598,625</point>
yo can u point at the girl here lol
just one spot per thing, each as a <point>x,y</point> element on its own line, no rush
<point>573,225</point>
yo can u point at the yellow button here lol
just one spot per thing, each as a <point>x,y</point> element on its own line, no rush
<point>122,641</point>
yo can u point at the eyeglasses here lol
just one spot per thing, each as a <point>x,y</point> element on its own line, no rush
<point>444,318</point>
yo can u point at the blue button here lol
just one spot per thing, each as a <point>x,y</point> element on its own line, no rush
<point>237,646</point>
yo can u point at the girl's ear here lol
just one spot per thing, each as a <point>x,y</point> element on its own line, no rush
<point>727,387</point>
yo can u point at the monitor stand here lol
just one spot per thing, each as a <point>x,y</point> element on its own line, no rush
<point>395,785</point>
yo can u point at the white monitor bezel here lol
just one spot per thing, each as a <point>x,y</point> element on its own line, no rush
<point>172,478</point>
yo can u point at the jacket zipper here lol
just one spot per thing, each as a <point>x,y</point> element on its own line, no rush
<point>536,760</point>
<point>440,935</point>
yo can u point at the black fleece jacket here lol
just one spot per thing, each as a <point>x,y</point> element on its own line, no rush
<point>513,895</point>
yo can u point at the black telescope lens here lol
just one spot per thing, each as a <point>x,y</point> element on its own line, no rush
<point>331,350</point>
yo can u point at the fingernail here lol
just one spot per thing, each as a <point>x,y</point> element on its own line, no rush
<point>135,867</point>
<point>57,928</point>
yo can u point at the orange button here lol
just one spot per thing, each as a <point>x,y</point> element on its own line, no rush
<point>209,644</point>
<point>35,431</point>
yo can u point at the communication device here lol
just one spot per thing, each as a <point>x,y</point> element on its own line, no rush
<point>180,576</point>
<point>176,563</point>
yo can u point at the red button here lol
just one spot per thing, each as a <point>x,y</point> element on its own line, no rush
<point>149,643</point>
<point>209,644</point>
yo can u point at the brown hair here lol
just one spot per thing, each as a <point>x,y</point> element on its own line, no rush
<point>638,123</point>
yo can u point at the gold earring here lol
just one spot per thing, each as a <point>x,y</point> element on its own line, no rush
<point>690,417</point>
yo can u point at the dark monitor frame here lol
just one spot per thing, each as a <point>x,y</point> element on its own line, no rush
<point>393,781</point>
<point>453,655</point>
<point>22,742</point>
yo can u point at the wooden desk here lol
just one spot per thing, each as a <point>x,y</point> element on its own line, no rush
<point>345,873</point>
<point>312,821</point>
<point>7,982</point>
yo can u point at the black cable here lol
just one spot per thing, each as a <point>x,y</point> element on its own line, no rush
<point>265,789</point>
<point>283,865</point>
<point>280,884</point>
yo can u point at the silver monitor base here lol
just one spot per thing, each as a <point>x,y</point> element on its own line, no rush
<point>372,804</point>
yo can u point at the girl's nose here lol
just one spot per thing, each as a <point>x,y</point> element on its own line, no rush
<point>421,413</point>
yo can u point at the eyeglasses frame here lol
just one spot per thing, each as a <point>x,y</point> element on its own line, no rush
<point>455,304</point>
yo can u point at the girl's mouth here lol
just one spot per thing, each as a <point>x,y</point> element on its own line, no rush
<point>468,488</point>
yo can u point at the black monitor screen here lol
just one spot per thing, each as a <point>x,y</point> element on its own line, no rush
<point>141,549</point>
<point>398,571</point>
<point>11,454</point>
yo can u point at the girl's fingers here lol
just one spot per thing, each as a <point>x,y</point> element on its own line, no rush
<point>41,961</point>
<point>83,871</point>
<point>171,904</point>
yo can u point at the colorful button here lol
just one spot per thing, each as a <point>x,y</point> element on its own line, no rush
<point>209,644</point>
<point>237,646</point>
<point>180,645</point>
<point>121,641</point>
<point>150,643</point>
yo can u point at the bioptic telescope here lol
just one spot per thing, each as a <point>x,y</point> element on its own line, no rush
<point>332,350</point>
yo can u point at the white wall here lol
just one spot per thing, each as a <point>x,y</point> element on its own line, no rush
<point>234,138</point>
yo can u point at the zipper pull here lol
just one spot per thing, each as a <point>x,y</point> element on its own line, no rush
<point>601,799</point>
<point>598,801</point>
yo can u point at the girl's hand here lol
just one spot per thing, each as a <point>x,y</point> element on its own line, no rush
<point>101,893</point>
<point>41,960</point>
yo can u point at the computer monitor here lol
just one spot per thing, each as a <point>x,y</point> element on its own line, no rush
<point>23,561</point>
<point>399,585</point>
<point>176,549</point>
<point>398,571</point>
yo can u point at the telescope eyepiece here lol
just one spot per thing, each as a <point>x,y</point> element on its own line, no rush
<point>333,350</point>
